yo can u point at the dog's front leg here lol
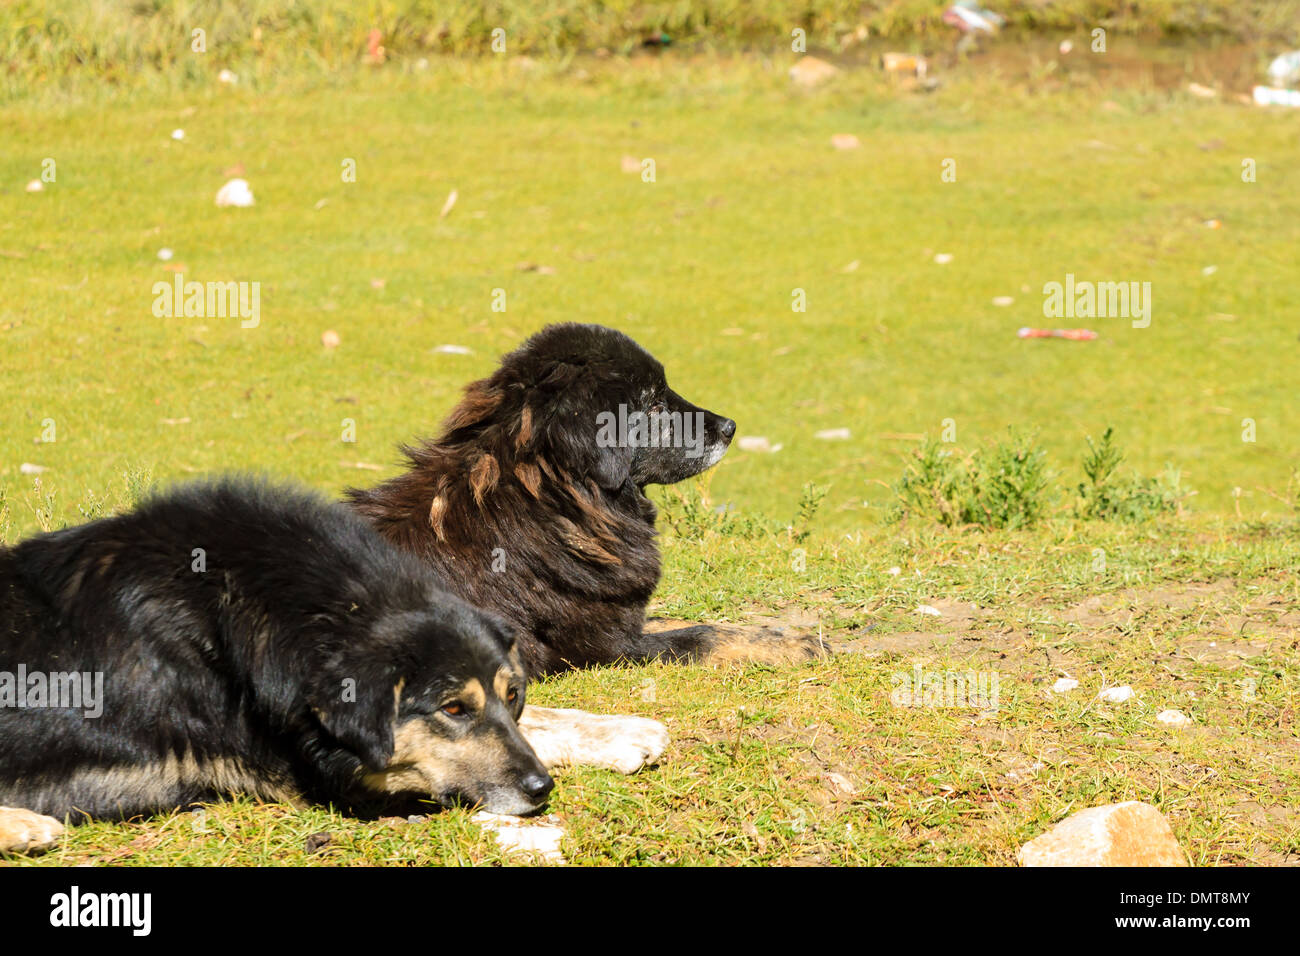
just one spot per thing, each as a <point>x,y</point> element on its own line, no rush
<point>562,738</point>
<point>22,831</point>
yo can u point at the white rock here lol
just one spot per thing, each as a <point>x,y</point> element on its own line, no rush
<point>35,186</point>
<point>1118,834</point>
<point>1117,695</point>
<point>178,134</point>
<point>1064,685</point>
<point>453,350</point>
<point>538,836</point>
<point>165,254</point>
<point>1003,300</point>
<point>927,609</point>
<point>833,434</point>
<point>235,193</point>
<point>756,443</point>
<point>942,258</point>
<point>1174,718</point>
<point>27,468</point>
<point>895,571</point>
<point>225,76</point>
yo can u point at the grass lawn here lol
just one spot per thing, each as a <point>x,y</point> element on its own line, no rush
<point>749,203</point>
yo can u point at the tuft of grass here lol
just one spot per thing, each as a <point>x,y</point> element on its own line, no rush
<point>1001,485</point>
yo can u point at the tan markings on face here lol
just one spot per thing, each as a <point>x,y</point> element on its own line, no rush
<point>473,695</point>
<point>506,677</point>
<point>427,763</point>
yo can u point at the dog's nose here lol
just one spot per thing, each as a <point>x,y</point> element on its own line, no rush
<point>537,785</point>
<point>728,428</point>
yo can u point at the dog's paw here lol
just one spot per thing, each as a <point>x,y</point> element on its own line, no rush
<point>574,737</point>
<point>22,831</point>
<point>764,645</point>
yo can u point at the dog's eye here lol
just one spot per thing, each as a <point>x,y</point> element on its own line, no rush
<point>454,709</point>
<point>512,696</point>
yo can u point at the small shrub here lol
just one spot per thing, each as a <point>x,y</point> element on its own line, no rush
<point>1107,495</point>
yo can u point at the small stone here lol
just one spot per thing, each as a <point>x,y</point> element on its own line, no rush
<point>1117,695</point>
<point>165,254</point>
<point>330,339</point>
<point>225,76</point>
<point>27,468</point>
<point>928,610</point>
<point>756,443</point>
<point>1118,834</point>
<point>35,186</point>
<point>236,192</point>
<point>318,841</point>
<point>178,134</point>
<point>942,258</point>
<point>1064,685</point>
<point>845,141</point>
<point>1174,718</point>
<point>453,350</point>
<point>832,434</point>
<point>1003,300</point>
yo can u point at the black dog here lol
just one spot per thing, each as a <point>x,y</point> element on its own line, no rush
<point>532,503</point>
<point>238,637</point>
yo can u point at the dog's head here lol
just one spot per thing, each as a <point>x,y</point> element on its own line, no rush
<point>430,706</point>
<point>597,403</point>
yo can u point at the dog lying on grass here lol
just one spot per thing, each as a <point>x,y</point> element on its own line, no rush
<point>532,502</point>
<point>238,637</point>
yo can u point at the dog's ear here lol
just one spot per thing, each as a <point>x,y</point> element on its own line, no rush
<point>570,430</point>
<point>355,701</point>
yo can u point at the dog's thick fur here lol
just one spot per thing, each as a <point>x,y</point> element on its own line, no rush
<point>526,513</point>
<point>252,639</point>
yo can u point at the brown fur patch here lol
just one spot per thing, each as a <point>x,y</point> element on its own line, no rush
<point>530,477</point>
<point>483,477</point>
<point>525,428</point>
<point>438,515</point>
<point>479,402</point>
<point>582,544</point>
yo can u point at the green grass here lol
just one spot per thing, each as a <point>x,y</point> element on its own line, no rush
<point>49,42</point>
<point>750,203</point>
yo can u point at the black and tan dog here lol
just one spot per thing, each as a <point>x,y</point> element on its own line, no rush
<point>237,637</point>
<point>532,503</point>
